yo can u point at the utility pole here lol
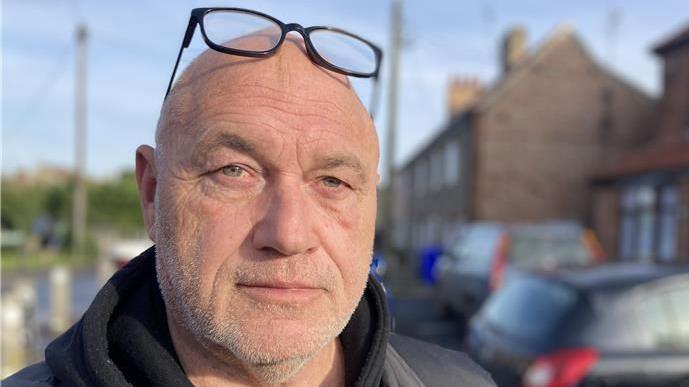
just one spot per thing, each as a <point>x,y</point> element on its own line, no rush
<point>390,143</point>
<point>80,198</point>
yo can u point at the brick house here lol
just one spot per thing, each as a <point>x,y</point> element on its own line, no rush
<point>641,200</point>
<point>522,150</point>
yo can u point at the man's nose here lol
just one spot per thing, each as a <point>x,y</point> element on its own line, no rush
<point>287,226</point>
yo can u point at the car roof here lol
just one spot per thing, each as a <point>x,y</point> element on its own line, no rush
<point>551,226</point>
<point>615,275</point>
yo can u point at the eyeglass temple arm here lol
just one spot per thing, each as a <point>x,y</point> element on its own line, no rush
<point>191,26</point>
<point>375,93</point>
<point>375,97</point>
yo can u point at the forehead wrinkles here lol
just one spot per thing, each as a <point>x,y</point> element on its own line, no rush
<point>283,79</point>
<point>252,103</point>
<point>292,90</point>
<point>268,104</point>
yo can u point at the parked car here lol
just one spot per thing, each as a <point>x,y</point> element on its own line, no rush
<point>615,325</point>
<point>489,254</point>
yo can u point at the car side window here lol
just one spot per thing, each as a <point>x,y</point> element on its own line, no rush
<point>679,301</point>
<point>664,315</point>
<point>654,313</point>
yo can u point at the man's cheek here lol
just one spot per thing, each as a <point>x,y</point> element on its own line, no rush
<point>222,227</point>
<point>348,216</point>
<point>358,222</point>
<point>204,206</point>
<point>195,216</point>
<point>352,234</point>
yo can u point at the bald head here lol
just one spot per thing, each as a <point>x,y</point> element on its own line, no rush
<point>289,78</point>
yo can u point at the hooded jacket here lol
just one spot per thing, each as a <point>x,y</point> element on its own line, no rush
<point>122,340</point>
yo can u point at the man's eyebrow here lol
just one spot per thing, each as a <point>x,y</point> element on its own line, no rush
<point>224,140</point>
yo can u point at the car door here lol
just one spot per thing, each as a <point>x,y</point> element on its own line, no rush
<point>657,353</point>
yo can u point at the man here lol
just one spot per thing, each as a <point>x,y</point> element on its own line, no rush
<point>261,198</point>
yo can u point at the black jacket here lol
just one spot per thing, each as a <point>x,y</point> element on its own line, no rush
<point>123,339</point>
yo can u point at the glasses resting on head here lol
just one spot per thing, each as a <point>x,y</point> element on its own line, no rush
<point>248,33</point>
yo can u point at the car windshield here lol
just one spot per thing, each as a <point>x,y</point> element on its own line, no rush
<point>548,248</point>
<point>478,245</point>
<point>529,308</point>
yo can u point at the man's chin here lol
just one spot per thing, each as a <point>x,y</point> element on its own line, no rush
<point>280,340</point>
<point>278,372</point>
<point>272,344</point>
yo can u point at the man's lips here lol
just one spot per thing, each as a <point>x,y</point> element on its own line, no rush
<point>281,291</point>
<point>279,284</point>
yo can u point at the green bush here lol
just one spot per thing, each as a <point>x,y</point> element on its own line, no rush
<point>112,205</point>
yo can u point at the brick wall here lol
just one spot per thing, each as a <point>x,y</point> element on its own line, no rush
<point>548,132</point>
<point>673,120</point>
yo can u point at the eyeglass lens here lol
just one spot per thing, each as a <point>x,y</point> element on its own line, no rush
<point>344,51</point>
<point>241,30</point>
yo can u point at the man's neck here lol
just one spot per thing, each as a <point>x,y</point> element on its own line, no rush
<point>210,368</point>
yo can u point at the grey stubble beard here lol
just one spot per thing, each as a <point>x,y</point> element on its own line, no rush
<point>227,338</point>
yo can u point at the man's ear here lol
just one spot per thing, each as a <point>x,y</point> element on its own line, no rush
<point>146,180</point>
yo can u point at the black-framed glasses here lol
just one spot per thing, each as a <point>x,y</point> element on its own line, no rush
<point>243,32</point>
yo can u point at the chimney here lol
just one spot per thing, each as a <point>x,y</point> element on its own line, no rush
<point>462,93</point>
<point>513,48</point>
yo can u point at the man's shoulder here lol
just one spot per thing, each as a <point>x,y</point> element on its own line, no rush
<point>425,364</point>
<point>36,375</point>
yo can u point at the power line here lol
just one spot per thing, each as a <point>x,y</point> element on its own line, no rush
<point>45,88</point>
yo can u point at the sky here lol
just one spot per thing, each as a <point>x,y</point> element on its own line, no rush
<point>132,47</point>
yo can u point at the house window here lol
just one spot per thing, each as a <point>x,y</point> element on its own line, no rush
<point>452,163</point>
<point>436,170</point>
<point>648,224</point>
<point>401,195</point>
<point>686,120</point>
<point>645,203</point>
<point>627,226</point>
<point>667,236</point>
<point>420,178</point>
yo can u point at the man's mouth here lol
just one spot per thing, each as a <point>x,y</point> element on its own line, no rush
<point>281,292</point>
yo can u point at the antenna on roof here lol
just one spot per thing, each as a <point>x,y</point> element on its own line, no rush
<point>489,16</point>
<point>612,26</point>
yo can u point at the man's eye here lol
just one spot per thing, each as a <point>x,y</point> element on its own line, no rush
<point>233,171</point>
<point>332,182</point>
